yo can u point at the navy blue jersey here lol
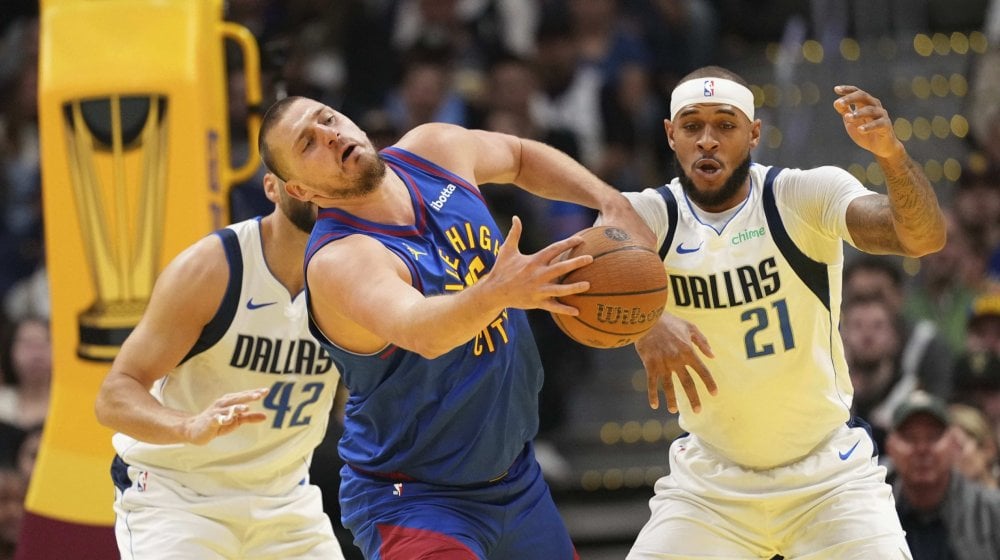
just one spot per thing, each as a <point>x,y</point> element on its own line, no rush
<point>461,418</point>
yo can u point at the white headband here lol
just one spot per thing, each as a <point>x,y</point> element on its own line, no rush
<point>711,90</point>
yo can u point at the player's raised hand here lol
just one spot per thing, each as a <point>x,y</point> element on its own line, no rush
<point>532,281</point>
<point>225,415</point>
<point>669,349</point>
<point>866,121</point>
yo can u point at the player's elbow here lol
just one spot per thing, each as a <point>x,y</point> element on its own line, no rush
<point>429,349</point>
<point>102,409</point>
<point>109,402</point>
<point>931,242</point>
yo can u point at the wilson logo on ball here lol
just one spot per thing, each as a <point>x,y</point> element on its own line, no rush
<point>618,315</point>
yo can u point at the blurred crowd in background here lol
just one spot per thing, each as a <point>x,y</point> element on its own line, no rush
<point>593,78</point>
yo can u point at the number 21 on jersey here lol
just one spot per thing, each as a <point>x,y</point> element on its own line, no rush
<point>760,319</point>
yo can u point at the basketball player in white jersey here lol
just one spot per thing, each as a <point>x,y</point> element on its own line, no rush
<point>772,464</point>
<point>219,396</point>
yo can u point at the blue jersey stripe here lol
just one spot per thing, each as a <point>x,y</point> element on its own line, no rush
<point>672,217</point>
<point>217,327</point>
<point>812,273</point>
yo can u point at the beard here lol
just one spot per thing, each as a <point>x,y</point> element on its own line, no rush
<point>301,214</point>
<point>718,198</point>
<point>369,179</point>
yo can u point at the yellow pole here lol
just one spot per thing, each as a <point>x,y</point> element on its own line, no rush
<point>135,152</point>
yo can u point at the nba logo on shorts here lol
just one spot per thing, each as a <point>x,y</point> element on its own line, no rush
<point>140,481</point>
<point>397,489</point>
<point>709,88</point>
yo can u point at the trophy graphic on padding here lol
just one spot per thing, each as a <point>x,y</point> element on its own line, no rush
<point>118,165</point>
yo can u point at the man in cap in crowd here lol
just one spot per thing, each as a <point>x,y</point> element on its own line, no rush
<point>944,515</point>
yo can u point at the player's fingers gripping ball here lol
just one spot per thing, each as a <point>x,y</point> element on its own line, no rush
<point>628,290</point>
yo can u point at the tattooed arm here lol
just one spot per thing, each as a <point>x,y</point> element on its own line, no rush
<point>907,221</point>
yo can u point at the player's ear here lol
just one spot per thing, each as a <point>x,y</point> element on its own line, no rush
<point>271,187</point>
<point>668,127</point>
<point>298,191</point>
<point>754,133</point>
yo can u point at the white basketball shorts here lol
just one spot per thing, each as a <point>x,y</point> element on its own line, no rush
<point>158,518</point>
<point>832,504</point>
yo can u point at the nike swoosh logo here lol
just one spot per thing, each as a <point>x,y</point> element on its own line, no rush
<point>682,250</point>
<point>845,454</point>
<point>251,305</point>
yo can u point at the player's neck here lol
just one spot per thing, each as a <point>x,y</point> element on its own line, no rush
<point>284,250</point>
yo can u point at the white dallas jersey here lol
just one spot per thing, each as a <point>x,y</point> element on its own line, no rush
<point>763,283</point>
<point>259,337</point>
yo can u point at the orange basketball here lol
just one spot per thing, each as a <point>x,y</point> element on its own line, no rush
<point>628,289</point>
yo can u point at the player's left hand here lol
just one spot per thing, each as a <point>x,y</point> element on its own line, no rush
<point>226,414</point>
<point>669,349</point>
<point>866,121</point>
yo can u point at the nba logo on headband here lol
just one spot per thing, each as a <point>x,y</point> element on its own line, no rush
<point>711,90</point>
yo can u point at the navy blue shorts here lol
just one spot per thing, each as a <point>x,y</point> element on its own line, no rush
<point>513,519</point>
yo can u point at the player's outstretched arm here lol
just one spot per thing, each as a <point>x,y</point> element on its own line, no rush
<point>184,299</point>
<point>362,297</point>
<point>492,157</point>
<point>671,349</point>
<point>909,220</point>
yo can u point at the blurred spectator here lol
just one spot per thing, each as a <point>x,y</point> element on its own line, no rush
<point>246,199</point>
<point>922,347</point>
<point>29,296</point>
<point>983,103</point>
<point>991,24</point>
<point>977,443</point>
<point>977,382</point>
<point>945,287</point>
<point>11,441</point>
<point>21,236</point>
<point>27,365</point>
<point>744,21</point>
<point>371,64</point>
<point>27,451</point>
<point>13,488</point>
<point>681,35</point>
<point>983,330</point>
<point>15,10</point>
<point>605,38</point>
<point>473,30</point>
<point>426,94</point>
<point>945,516</point>
<point>570,91</point>
<point>378,126</point>
<point>636,153</point>
<point>871,338</point>
<point>976,203</point>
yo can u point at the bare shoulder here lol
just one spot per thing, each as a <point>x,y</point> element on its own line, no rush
<point>196,278</point>
<point>480,156</point>
<point>186,296</point>
<point>436,142</point>
<point>204,260</point>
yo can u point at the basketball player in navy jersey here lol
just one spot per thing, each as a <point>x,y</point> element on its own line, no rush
<point>773,463</point>
<point>219,396</point>
<point>420,301</point>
